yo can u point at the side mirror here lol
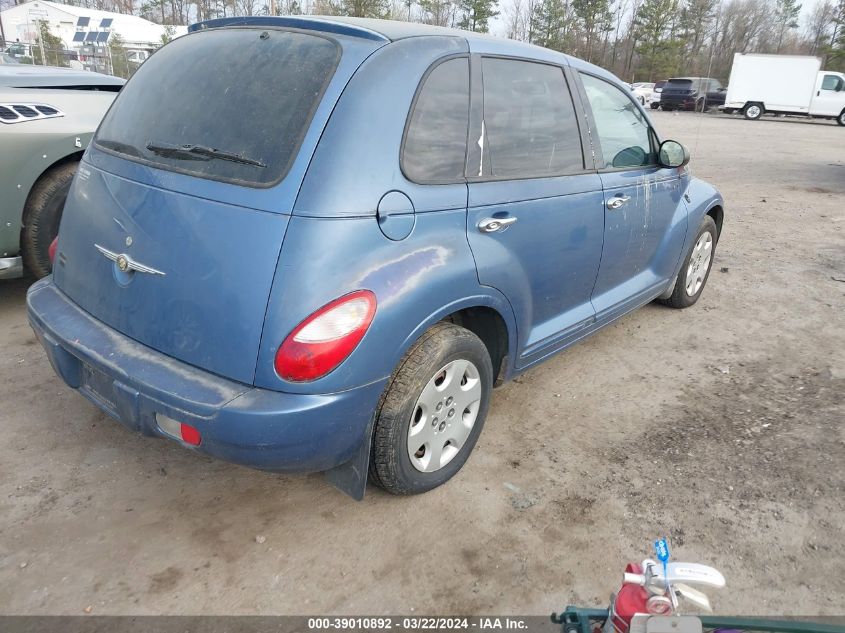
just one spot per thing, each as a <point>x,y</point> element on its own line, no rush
<point>673,154</point>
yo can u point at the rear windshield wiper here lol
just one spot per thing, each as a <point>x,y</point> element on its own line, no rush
<point>199,152</point>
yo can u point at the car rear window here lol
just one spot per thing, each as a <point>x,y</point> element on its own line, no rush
<point>229,104</point>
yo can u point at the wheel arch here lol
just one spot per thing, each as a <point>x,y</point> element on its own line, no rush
<point>488,325</point>
<point>73,157</point>
<point>488,316</point>
<point>718,214</point>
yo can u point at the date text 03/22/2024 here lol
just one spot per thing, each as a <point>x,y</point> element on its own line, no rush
<point>417,623</point>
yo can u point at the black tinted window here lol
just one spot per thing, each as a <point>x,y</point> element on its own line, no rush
<point>246,92</point>
<point>529,120</point>
<point>435,145</point>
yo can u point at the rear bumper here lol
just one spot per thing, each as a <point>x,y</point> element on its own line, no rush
<point>679,103</point>
<point>254,427</point>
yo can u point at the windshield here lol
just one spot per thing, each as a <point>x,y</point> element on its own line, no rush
<point>230,105</point>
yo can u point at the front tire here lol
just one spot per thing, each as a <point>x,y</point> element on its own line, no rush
<point>841,118</point>
<point>432,411</point>
<point>42,215</point>
<point>696,267</point>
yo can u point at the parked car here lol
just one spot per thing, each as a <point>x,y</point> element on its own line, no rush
<point>47,118</point>
<point>691,93</point>
<point>785,84</point>
<point>5,58</point>
<point>654,100</point>
<point>642,91</point>
<point>18,50</point>
<point>336,278</point>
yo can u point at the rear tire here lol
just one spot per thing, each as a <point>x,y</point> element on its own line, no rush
<point>841,118</point>
<point>415,408</point>
<point>700,105</point>
<point>696,267</point>
<point>753,111</point>
<point>42,215</point>
<point>654,106</point>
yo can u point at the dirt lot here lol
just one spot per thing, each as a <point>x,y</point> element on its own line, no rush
<point>721,426</point>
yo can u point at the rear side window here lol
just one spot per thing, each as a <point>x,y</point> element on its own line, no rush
<point>434,150</point>
<point>529,120</point>
<point>228,104</point>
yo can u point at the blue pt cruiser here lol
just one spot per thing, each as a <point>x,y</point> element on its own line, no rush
<point>306,244</point>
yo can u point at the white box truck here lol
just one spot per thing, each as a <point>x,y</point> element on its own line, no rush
<point>784,84</point>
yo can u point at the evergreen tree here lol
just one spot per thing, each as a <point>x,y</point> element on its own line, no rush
<point>786,17</point>
<point>549,24</point>
<point>52,45</point>
<point>476,13</point>
<point>658,49</point>
<point>594,18</point>
<point>437,12</point>
<point>119,62</point>
<point>361,8</point>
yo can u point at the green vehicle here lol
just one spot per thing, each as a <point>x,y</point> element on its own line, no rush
<point>47,118</point>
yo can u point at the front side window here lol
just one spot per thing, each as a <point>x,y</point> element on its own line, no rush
<point>622,129</point>
<point>831,82</point>
<point>222,104</point>
<point>530,123</point>
<point>435,144</point>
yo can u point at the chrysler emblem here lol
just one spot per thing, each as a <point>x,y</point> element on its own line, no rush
<point>125,263</point>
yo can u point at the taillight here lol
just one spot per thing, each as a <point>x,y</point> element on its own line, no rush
<point>51,250</point>
<point>326,338</point>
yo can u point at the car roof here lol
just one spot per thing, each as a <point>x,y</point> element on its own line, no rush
<point>386,31</point>
<point>30,76</point>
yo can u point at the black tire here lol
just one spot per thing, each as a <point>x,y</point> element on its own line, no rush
<point>41,216</point>
<point>654,106</point>
<point>841,118</point>
<point>753,111</point>
<point>700,105</point>
<point>679,297</point>
<point>390,463</point>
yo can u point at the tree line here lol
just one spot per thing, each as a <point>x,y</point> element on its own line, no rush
<point>638,40</point>
<point>649,40</point>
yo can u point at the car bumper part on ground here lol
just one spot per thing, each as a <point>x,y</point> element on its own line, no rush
<point>11,267</point>
<point>238,423</point>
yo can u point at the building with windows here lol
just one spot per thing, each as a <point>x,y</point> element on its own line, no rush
<point>78,26</point>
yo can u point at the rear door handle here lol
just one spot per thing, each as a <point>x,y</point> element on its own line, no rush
<point>617,202</point>
<point>491,225</point>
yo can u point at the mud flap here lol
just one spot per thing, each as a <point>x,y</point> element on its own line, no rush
<point>351,477</point>
<point>668,292</point>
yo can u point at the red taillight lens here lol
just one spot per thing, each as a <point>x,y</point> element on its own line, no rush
<point>324,340</point>
<point>51,251</point>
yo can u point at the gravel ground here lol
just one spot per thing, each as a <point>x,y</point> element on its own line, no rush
<point>721,426</point>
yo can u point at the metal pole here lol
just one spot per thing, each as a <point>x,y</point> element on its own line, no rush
<point>41,44</point>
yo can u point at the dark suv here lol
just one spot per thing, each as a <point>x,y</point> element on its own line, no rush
<point>691,93</point>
